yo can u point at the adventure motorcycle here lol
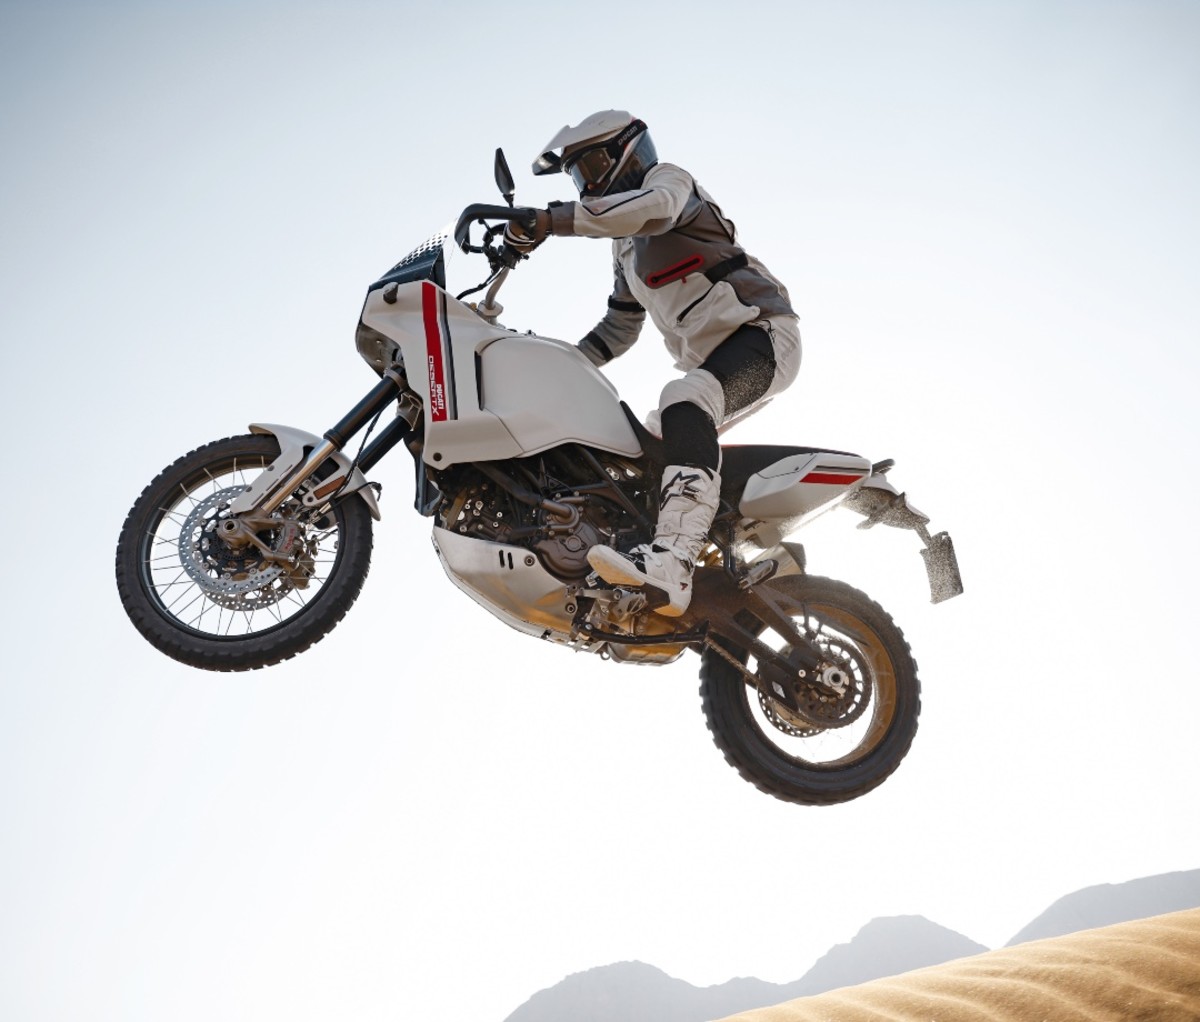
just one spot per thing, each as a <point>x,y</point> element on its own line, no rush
<point>248,550</point>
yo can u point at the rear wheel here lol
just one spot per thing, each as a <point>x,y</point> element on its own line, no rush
<point>212,597</point>
<point>855,723</point>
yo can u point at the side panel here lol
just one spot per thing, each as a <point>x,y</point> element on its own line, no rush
<point>439,339</point>
<point>489,392</point>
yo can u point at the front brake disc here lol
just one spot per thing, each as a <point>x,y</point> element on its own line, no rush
<point>236,580</point>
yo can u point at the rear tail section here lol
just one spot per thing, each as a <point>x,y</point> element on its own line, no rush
<point>779,489</point>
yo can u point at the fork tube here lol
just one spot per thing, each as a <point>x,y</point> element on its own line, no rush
<point>336,438</point>
<point>392,434</point>
<point>288,486</point>
<point>380,395</point>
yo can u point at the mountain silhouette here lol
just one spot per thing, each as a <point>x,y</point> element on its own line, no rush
<point>1106,904</point>
<point>885,947</point>
<point>890,946</point>
<point>635,992</point>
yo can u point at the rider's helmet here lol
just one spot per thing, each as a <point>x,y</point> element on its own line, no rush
<point>610,151</point>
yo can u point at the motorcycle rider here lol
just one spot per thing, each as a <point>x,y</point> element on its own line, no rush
<point>726,321</point>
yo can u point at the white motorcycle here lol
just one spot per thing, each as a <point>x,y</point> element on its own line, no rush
<point>248,550</point>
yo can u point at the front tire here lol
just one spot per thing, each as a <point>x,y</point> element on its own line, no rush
<point>868,727</point>
<point>211,605</point>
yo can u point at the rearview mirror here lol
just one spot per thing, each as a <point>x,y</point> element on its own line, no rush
<point>504,178</point>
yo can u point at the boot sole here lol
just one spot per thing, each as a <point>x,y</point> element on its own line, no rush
<point>616,570</point>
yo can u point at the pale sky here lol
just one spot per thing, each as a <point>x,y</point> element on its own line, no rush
<point>988,218</point>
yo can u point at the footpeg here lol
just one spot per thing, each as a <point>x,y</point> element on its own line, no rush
<point>618,605</point>
<point>628,604</point>
<point>758,574</point>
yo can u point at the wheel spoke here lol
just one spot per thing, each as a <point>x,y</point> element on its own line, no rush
<point>208,593</point>
<point>179,580</point>
<point>199,596</point>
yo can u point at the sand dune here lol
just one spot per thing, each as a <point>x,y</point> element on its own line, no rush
<point>1147,971</point>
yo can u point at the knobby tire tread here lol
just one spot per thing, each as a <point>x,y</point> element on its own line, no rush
<point>735,733</point>
<point>294,636</point>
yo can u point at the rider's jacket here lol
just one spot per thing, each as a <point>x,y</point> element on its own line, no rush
<point>676,256</point>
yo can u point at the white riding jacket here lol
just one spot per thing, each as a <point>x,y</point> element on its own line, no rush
<point>676,256</point>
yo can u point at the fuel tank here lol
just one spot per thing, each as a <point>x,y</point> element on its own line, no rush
<point>489,392</point>
<point>547,393</point>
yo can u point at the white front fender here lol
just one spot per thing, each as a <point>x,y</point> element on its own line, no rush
<point>294,446</point>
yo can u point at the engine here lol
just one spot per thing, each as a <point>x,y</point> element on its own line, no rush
<point>476,505</point>
<point>591,502</point>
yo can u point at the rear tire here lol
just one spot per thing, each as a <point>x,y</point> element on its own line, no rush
<point>878,716</point>
<point>207,605</point>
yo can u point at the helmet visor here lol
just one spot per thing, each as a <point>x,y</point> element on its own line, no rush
<point>590,168</point>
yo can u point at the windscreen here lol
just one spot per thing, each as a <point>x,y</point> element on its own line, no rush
<point>425,262</point>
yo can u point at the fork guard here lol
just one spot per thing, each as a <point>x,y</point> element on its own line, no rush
<point>294,447</point>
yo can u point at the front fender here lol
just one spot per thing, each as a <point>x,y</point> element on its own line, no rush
<point>294,447</point>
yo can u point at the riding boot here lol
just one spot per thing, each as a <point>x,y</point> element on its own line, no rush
<point>687,503</point>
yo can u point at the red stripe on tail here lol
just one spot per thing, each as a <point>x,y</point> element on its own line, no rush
<point>831,478</point>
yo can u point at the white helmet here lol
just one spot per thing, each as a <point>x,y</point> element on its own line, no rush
<point>609,151</point>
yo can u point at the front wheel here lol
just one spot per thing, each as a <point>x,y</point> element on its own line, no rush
<point>855,725</point>
<point>211,598</point>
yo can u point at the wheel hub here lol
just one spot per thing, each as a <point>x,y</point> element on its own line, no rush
<point>832,697</point>
<point>239,575</point>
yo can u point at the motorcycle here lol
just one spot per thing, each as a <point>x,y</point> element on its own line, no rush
<point>248,550</point>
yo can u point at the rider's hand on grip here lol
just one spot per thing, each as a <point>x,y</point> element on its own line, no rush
<point>528,231</point>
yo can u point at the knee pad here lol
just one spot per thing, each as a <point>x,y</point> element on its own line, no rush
<point>699,388</point>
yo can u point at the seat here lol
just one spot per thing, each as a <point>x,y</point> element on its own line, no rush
<point>738,461</point>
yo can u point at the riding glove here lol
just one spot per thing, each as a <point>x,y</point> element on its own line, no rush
<point>529,231</point>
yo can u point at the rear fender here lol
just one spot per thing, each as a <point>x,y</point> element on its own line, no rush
<point>294,446</point>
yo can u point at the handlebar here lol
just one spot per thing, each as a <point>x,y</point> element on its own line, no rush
<point>481,211</point>
<point>501,257</point>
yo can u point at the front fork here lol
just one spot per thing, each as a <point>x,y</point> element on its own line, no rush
<point>302,453</point>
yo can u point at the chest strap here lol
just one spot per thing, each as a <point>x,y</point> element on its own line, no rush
<point>727,266</point>
<point>682,270</point>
